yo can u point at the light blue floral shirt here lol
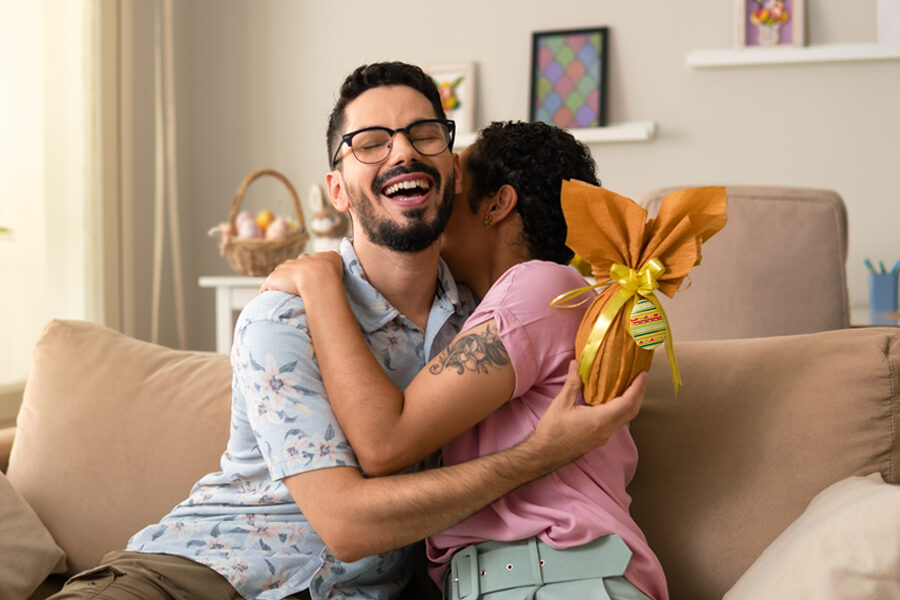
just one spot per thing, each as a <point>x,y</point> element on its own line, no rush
<point>242,521</point>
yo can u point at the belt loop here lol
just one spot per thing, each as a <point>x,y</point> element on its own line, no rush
<point>470,576</point>
<point>535,562</point>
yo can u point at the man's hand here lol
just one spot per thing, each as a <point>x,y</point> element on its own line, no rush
<point>568,429</point>
<point>298,275</point>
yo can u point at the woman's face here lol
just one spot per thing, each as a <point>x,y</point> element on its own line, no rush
<point>462,245</point>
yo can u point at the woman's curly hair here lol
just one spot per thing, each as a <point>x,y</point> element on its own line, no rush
<point>534,158</point>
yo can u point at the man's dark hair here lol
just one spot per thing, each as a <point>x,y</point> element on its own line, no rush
<point>376,75</point>
<point>534,158</point>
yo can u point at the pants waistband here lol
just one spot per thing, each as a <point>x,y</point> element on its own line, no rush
<point>492,566</point>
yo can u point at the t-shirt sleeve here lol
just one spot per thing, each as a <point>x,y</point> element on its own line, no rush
<point>279,396</point>
<point>539,338</point>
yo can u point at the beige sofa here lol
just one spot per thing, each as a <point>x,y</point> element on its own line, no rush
<point>114,431</point>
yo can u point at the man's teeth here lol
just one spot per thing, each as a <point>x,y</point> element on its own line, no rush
<point>407,185</point>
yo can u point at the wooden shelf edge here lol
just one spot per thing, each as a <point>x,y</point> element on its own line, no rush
<point>632,131</point>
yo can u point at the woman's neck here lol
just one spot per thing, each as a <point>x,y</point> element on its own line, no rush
<point>506,252</point>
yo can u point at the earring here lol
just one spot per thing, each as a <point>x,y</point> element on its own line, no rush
<point>488,221</point>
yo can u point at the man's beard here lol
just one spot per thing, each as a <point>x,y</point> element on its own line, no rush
<point>418,234</point>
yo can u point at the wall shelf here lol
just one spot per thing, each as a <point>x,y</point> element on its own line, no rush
<point>823,53</point>
<point>634,131</point>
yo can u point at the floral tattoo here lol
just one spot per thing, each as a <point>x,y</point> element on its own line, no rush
<point>472,352</point>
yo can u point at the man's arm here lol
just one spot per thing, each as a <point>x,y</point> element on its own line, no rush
<point>389,428</point>
<point>358,517</point>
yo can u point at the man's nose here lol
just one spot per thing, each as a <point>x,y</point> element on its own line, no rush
<point>402,150</point>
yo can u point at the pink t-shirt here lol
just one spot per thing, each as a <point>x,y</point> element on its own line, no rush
<point>580,502</point>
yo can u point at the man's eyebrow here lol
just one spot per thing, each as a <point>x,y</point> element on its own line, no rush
<point>415,120</point>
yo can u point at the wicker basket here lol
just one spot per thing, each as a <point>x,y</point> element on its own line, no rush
<point>259,257</point>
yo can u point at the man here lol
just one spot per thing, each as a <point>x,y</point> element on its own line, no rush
<point>290,514</point>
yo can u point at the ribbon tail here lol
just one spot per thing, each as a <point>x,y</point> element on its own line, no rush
<point>670,349</point>
<point>601,325</point>
<point>565,299</point>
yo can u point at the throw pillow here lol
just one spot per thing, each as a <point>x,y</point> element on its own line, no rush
<point>845,546</point>
<point>27,552</point>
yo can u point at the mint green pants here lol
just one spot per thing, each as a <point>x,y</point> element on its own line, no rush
<point>531,570</point>
<point>607,588</point>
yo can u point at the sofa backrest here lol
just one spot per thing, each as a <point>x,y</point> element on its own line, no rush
<point>113,432</point>
<point>759,428</point>
<point>777,268</point>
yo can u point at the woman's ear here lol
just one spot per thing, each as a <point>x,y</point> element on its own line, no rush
<point>335,182</point>
<point>502,203</point>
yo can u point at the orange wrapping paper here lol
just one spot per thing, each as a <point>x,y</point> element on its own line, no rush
<point>604,229</point>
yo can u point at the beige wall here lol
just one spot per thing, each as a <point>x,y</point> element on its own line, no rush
<point>256,81</point>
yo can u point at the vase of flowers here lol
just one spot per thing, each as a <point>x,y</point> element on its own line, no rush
<point>768,19</point>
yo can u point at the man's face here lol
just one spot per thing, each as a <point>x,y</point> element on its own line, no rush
<point>402,203</point>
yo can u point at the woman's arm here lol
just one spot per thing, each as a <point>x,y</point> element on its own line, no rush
<point>378,513</point>
<point>390,429</point>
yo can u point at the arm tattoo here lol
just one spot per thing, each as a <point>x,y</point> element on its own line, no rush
<point>472,352</point>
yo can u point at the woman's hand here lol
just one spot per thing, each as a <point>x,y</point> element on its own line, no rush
<point>300,275</point>
<point>569,429</point>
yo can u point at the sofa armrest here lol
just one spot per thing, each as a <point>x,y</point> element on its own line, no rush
<point>6,442</point>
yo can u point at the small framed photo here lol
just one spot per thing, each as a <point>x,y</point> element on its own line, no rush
<point>456,84</point>
<point>768,23</point>
<point>568,77</point>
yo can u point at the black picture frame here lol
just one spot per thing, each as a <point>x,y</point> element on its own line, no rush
<point>569,74</point>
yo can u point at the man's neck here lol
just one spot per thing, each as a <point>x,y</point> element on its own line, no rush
<point>406,279</point>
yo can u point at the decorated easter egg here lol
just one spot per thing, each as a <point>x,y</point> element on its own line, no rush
<point>264,219</point>
<point>278,229</point>
<point>249,230</point>
<point>647,325</point>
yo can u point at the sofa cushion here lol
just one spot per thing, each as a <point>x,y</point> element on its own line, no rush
<point>760,427</point>
<point>113,432</point>
<point>27,552</point>
<point>845,546</point>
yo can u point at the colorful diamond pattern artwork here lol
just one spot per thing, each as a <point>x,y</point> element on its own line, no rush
<point>567,80</point>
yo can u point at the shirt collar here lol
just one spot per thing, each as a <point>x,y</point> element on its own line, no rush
<point>373,311</point>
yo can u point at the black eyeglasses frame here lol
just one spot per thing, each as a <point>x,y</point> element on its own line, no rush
<point>347,138</point>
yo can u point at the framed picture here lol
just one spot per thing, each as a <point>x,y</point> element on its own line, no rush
<point>568,77</point>
<point>767,23</point>
<point>456,83</point>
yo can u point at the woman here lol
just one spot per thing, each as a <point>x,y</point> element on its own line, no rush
<point>487,390</point>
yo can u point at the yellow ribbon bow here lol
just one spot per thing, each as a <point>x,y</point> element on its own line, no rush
<point>632,283</point>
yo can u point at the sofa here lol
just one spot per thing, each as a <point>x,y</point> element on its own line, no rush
<point>775,467</point>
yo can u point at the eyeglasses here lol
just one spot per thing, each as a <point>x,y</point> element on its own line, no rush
<point>373,145</point>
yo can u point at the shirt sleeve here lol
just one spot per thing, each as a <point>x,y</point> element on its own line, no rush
<point>539,338</point>
<point>278,390</point>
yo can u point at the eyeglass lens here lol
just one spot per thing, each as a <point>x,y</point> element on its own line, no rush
<point>374,145</point>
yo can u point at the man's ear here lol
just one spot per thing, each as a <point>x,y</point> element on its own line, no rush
<point>335,182</point>
<point>457,174</point>
<point>502,203</point>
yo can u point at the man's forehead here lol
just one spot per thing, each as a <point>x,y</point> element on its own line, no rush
<point>394,106</point>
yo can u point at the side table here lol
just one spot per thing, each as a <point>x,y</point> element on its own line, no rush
<point>233,292</point>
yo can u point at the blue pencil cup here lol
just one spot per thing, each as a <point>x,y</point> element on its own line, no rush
<point>882,297</point>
